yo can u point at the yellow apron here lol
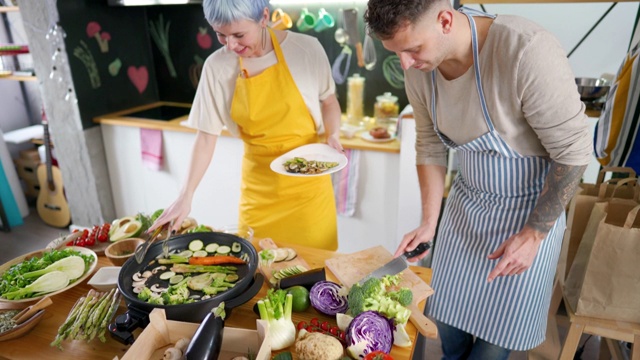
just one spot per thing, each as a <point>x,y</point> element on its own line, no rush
<point>273,118</point>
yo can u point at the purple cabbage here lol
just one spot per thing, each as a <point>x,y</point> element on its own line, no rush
<point>369,331</point>
<point>325,298</point>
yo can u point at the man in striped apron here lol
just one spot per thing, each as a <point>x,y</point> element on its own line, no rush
<point>498,91</point>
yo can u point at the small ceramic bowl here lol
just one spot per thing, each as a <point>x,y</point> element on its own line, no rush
<point>106,278</point>
<point>349,131</point>
<point>120,251</point>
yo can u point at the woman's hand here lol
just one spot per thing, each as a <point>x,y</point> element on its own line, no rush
<point>334,142</point>
<point>517,253</point>
<point>410,241</point>
<point>176,212</point>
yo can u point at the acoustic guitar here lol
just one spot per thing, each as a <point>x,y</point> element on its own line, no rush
<point>51,204</point>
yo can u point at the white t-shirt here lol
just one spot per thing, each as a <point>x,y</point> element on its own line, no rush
<point>530,93</point>
<point>307,62</point>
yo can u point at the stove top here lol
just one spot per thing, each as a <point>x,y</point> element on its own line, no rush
<point>162,113</point>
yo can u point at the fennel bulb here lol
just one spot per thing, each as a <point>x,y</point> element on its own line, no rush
<point>73,266</point>
<point>276,310</point>
<point>49,282</point>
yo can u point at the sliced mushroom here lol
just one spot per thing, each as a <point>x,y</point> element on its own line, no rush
<point>147,274</point>
<point>161,267</point>
<point>172,354</point>
<point>157,289</point>
<point>139,283</point>
<point>138,289</point>
<point>195,297</point>
<point>137,277</point>
<point>205,297</point>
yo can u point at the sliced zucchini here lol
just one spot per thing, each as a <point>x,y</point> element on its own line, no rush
<point>200,253</point>
<point>288,271</point>
<point>166,275</point>
<point>223,250</point>
<point>196,245</point>
<point>211,248</point>
<point>231,278</point>
<point>176,279</point>
<point>236,247</point>
<point>186,253</point>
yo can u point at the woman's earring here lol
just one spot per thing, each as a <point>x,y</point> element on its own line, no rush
<point>264,38</point>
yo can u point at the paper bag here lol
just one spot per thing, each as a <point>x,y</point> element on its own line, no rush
<point>580,210</point>
<point>603,281</point>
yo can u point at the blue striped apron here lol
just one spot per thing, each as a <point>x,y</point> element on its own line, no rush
<point>491,197</point>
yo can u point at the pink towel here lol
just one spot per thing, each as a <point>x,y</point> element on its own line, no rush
<point>151,148</point>
<point>345,184</point>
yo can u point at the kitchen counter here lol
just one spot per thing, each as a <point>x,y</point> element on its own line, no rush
<point>35,344</point>
<point>121,118</point>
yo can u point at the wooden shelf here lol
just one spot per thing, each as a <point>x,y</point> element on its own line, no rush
<point>6,9</point>
<point>19,78</point>
<point>463,2</point>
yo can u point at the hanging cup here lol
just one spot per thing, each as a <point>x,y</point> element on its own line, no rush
<point>280,20</point>
<point>325,21</point>
<point>306,21</point>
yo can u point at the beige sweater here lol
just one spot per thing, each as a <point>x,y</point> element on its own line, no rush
<point>530,93</point>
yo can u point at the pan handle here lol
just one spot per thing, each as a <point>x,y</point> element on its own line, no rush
<point>124,325</point>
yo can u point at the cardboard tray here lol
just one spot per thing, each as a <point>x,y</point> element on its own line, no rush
<point>161,334</point>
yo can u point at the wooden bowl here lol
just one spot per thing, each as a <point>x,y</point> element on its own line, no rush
<point>23,328</point>
<point>85,251</point>
<point>120,251</point>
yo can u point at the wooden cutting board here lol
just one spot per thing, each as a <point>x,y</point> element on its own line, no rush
<point>267,271</point>
<point>349,268</point>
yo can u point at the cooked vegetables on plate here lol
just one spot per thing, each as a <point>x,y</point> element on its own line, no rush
<point>301,165</point>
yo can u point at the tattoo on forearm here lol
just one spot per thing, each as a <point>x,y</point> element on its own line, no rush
<point>560,185</point>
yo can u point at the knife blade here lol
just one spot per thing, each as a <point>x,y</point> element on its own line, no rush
<point>396,265</point>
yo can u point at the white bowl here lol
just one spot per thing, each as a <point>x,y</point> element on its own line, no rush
<point>106,278</point>
<point>349,131</point>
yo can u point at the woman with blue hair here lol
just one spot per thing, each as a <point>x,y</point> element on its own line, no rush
<point>274,90</point>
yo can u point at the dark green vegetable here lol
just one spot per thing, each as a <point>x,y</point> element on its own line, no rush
<point>207,341</point>
<point>283,356</point>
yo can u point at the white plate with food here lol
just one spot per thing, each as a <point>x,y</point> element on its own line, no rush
<point>46,287</point>
<point>310,160</point>
<point>368,137</point>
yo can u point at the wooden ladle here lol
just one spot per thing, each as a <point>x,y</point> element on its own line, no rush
<point>29,311</point>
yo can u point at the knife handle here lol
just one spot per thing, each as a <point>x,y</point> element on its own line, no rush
<point>418,250</point>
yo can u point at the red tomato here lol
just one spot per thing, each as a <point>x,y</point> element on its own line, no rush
<point>302,325</point>
<point>90,241</point>
<point>70,243</point>
<point>103,237</point>
<point>315,322</point>
<point>81,242</point>
<point>309,328</point>
<point>334,330</point>
<point>324,326</point>
<point>378,355</point>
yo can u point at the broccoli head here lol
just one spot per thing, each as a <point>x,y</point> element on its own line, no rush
<point>145,294</point>
<point>404,296</point>
<point>376,294</point>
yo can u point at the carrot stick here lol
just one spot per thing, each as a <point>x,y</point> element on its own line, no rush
<point>215,260</point>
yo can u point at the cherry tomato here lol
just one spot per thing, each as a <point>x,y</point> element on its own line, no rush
<point>342,335</point>
<point>85,232</point>
<point>378,355</point>
<point>103,237</point>
<point>309,328</point>
<point>75,231</point>
<point>302,325</point>
<point>334,330</point>
<point>70,243</point>
<point>315,322</point>
<point>324,326</point>
<point>90,241</point>
<point>81,242</point>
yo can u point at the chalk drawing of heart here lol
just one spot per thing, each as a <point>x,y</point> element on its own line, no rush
<point>139,77</point>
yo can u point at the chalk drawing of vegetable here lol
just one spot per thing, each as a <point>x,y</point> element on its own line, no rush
<point>82,52</point>
<point>160,35</point>
<point>94,30</point>
<point>203,38</point>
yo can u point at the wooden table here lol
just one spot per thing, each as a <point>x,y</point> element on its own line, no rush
<point>35,345</point>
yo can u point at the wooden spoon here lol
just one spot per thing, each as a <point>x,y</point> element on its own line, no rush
<point>28,312</point>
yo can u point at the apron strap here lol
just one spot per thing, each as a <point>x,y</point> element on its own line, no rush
<point>276,48</point>
<point>476,66</point>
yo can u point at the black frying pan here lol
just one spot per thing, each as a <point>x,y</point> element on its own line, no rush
<point>137,315</point>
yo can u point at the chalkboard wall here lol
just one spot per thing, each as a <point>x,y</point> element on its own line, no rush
<point>134,71</point>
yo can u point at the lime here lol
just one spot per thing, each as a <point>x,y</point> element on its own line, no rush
<point>300,298</point>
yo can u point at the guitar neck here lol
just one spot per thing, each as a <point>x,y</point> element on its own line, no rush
<point>47,148</point>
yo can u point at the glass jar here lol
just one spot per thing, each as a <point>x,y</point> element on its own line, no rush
<point>385,109</point>
<point>355,99</point>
